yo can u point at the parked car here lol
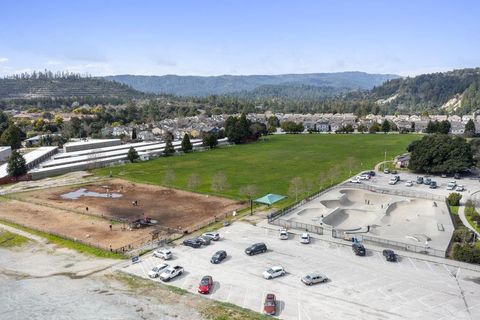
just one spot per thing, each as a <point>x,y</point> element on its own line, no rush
<point>283,234</point>
<point>273,272</point>
<point>171,272</point>
<point>460,188</point>
<point>393,181</point>
<point>371,173</point>
<point>386,171</point>
<point>457,176</point>
<point>365,176</point>
<point>443,175</point>
<point>409,183</point>
<point>419,180</point>
<point>389,255</point>
<point>433,185</point>
<point>226,223</point>
<point>313,278</point>
<point>163,253</point>
<point>305,238</point>
<point>427,181</point>
<point>157,270</point>
<point>218,257</point>
<point>359,249</point>
<point>256,249</point>
<point>393,172</point>
<point>205,285</point>
<point>451,185</point>
<point>204,240</point>
<point>270,305</point>
<point>215,236</point>
<point>194,243</point>
<point>355,180</point>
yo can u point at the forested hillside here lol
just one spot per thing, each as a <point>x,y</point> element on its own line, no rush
<point>61,85</point>
<point>431,92</point>
<point>228,84</point>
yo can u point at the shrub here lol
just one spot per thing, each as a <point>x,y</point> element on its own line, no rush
<point>466,253</point>
<point>454,199</point>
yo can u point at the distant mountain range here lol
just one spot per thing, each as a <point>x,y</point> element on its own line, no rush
<point>232,85</point>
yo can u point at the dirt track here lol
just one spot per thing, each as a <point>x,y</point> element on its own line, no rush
<point>47,211</point>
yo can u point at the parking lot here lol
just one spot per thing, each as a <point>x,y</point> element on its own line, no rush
<point>360,287</point>
<point>471,184</point>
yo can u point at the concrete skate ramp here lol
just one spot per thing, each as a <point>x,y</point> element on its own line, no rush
<point>354,196</point>
<point>350,218</point>
<point>409,210</point>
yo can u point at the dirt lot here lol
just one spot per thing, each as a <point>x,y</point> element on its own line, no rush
<point>47,211</point>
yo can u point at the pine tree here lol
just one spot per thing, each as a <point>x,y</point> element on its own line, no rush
<point>169,150</point>
<point>186,144</point>
<point>132,154</point>
<point>470,128</point>
<point>17,166</point>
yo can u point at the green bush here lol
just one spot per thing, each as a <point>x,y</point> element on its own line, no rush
<point>454,199</point>
<point>462,234</point>
<point>466,253</point>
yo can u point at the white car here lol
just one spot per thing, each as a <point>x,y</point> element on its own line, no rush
<point>409,183</point>
<point>283,234</point>
<point>365,177</point>
<point>460,188</point>
<point>313,278</point>
<point>393,181</point>
<point>215,236</point>
<point>305,238</point>
<point>157,270</point>
<point>451,185</point>
<point>273,272</point>
<point>355,180</point>
<point>163,253</point>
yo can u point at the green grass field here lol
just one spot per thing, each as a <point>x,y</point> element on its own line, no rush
<point>271,164</point>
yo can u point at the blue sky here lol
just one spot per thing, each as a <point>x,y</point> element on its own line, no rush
<point>207,37</point>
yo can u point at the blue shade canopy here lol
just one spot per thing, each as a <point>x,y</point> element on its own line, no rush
<point>270,199</point>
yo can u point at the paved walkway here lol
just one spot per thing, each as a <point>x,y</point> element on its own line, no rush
<point>23,233</point>
<point>461,214</point>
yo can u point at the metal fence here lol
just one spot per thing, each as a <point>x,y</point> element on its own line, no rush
<point>297,225</point>
<point>381,242</point>
<point>396,192</point>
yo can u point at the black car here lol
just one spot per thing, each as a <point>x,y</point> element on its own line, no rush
<point>256,248</point>
<point>359,249</point>
<point>218,257</point>
<point>433,184</point>
<point>194,243</point>
<point>204,240</point>
<point>372,173</point>
<point>389,255</point>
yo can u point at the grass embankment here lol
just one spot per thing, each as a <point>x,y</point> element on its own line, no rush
<point>473,217</point>
<point>209,309</point>
<point>270,165</point>
<point>10,240</point>
<point>67,243</point>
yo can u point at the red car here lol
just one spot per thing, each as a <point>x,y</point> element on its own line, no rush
<point>205,285</point>
<point>270,304</point>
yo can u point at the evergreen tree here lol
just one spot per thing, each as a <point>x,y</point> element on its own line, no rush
<point>134,134</point>
<point>210,140</point>
<point>16,166</point>
<point>470,129</point>
<point>186,144</point>
<point>169,149</point>
<point>132,154</point>
<point>386,126</point>
<point>12,137</point>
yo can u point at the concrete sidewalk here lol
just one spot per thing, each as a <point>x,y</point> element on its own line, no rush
<point>463,218</point>
<point>419,256</point>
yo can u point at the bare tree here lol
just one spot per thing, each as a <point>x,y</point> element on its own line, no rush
<point>169,177</point>
<point>219,182</point>
<point>250,191</point>
<point>321,179</point>
<point>296,187</point>
<point>350,164</point>
<point>193,181</point>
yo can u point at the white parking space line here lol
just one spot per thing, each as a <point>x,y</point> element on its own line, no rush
<point>413,264</point>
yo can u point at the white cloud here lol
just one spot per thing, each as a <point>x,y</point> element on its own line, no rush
<point>3,60</point>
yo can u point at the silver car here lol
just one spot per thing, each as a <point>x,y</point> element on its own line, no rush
<point>313,278</point>
<point>215,236</point>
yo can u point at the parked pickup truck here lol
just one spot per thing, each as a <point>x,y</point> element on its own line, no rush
<point>170,273</point>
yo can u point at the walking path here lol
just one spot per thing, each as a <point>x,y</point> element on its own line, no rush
<point>23,233</point>
<point>461,214</point>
